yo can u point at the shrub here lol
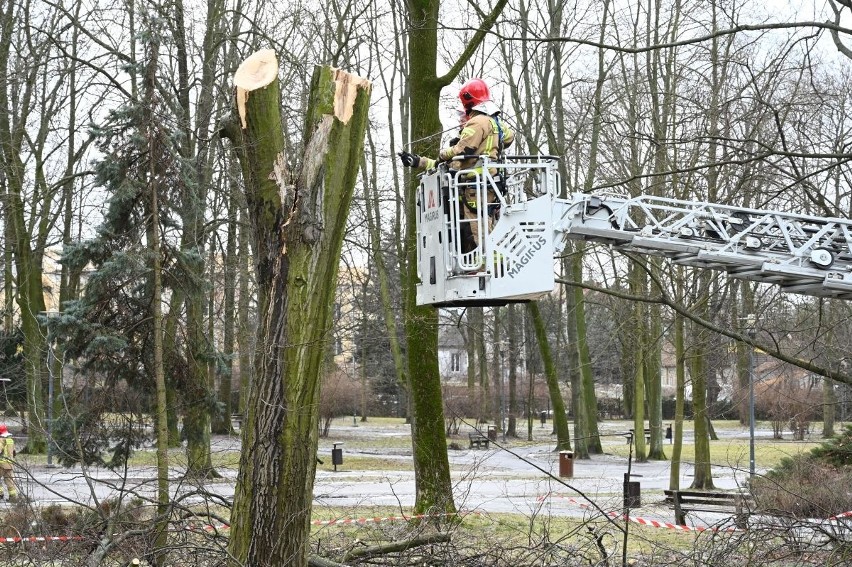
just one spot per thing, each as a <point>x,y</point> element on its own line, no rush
<point>811,485</point>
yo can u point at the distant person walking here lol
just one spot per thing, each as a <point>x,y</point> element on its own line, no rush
<point>7,456</point>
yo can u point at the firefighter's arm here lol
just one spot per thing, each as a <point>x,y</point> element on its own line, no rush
<point>469,140</point>
<point>508,137</point>
<point>416,161</point>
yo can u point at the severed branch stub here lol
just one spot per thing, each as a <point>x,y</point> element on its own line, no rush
<point>259,70</point>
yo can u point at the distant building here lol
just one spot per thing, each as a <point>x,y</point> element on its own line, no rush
<point>452,355</point>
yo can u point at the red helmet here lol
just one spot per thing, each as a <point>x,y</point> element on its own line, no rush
<point>474,92</point>
<point>3,429</point>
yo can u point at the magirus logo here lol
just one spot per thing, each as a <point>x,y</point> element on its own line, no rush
<point>527,256</point>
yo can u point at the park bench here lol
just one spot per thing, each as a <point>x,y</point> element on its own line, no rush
<point>647,435</point>
<point>477,440</point>
<point>734,503</point>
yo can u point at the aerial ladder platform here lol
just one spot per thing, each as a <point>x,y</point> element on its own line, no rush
<point>504,252</point>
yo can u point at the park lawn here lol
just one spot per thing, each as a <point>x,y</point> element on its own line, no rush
<point>507,532</point>
<point>735,452</point>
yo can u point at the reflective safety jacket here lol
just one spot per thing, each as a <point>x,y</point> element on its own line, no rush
<point>482,135</point>
<point>7,452</point>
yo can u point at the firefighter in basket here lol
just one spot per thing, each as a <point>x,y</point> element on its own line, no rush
<point>482,134</point>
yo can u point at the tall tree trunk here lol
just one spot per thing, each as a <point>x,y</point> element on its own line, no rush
<point>654,378</point>
<point>639,324</point>
<point>581,447</point>
<point>589,399</point>
<point>639,395</point>
<point>388,310</point>
<point>498,353</point>
<point>476,318</point>
<point>298,221</point>
<point>171,357</point>
<point>8,275</point>
<point>703,478</point>
<point>153,237</point>
<point>431,464</point>
<point>245,330</point>
<point>27,261</point>
<point>560,418</point>
<point>222,425</point>
<point>680,392</point>
<point>745,308</point>
<point>198,394</point>
<point>513,345</point>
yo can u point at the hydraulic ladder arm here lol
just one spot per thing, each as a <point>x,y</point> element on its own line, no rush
<point>803,254</point>
<point>526,225</point>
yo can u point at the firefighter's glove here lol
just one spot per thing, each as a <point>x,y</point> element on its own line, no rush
<point>409,160</point>
<point>454,141</point>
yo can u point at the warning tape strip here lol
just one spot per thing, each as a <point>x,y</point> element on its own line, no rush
<point>378,520</point>
<point>666,525</point>
<point>639,520</point>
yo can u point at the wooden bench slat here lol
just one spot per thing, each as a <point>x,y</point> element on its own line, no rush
<point>700,501</point>
<point>477,440</point>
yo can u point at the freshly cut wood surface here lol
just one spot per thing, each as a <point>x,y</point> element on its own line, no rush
<point>257,71</point>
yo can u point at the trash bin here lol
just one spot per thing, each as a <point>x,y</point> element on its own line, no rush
<point>543,417</point>
<point>336,455</point>
<point>566,464</point>
<point>632,497</point>
<point>492,433</point>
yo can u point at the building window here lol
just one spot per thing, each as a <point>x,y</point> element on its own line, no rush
<point>455,362</point>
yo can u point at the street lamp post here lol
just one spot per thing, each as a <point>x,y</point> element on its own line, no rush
<point>751,330</point>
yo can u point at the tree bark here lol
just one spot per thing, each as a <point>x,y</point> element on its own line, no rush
<point>654,378</point>
<point>153,238</point>
<point>589,399</point>
<point>27,260</point>
<point>297,221</point>
<point>222,424</point>
<point>560,419</point>
<point>431,464</point>
<point>680,387</point>
<point>703,478</point>
<point>245,332</point>
<point>512,341</point>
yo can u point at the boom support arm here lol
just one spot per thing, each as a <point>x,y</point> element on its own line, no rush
<point>803,254</point>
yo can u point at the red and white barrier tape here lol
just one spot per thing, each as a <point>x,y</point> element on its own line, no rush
<point>378,520</point>
<point>638,520</point>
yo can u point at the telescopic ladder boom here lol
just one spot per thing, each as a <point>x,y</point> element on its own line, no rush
<point>504,252</point>
<point>801,253</point>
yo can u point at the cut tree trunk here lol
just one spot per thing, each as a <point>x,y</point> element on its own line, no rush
<point>298,220</point>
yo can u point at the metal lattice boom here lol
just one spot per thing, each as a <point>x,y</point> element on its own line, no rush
<point>803,254</point>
